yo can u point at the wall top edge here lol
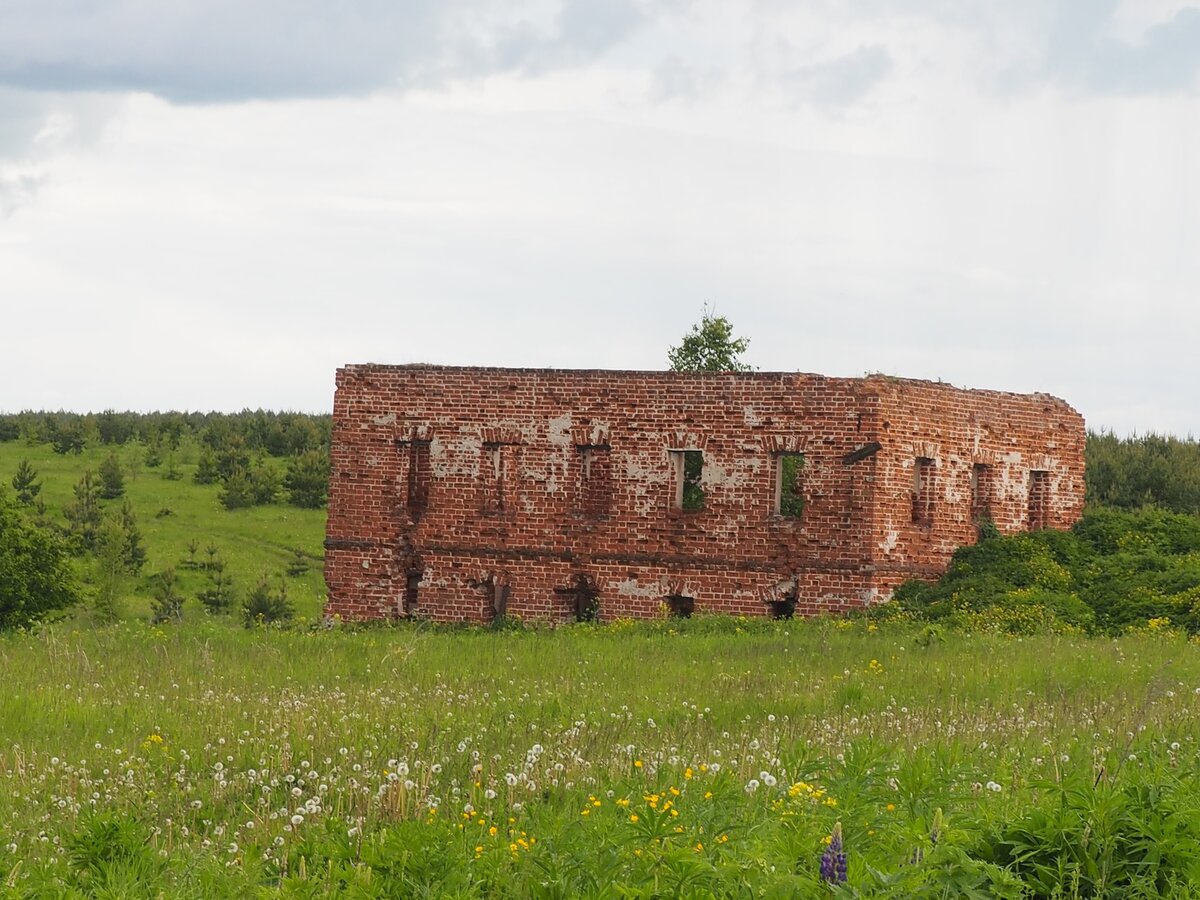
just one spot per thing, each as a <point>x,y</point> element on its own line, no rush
<point>877,384</point>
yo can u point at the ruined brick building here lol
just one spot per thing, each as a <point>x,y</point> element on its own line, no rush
<point>467,493</point>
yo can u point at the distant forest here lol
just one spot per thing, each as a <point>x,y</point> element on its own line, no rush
<point>274,433</point>
<point>1148,470</point>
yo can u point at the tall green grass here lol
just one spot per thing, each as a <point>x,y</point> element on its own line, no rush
<point>397,751</point>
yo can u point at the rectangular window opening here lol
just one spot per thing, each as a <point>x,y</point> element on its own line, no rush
<point>491,472</point>
<point>688,471</point>
<point>412,586</point>
<point>419,479</point>
<point>789,485</point>
<point>923,490</point>
<point>595,481</point>
<point>981,492</point>
<point>680,607</point>
<point>784,608</point>
<point>1039,500</point>
<point>497,593</point>
<point>584,597</point>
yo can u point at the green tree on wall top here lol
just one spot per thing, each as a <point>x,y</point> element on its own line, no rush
<point>710,347</point>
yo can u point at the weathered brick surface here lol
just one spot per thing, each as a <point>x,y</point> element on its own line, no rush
<point>454,490</point>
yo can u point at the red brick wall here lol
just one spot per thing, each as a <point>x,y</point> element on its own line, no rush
<point>471,478</point>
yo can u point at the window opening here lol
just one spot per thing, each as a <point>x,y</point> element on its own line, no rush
<point>497,593</point>
<point>418,479</point>
<point>680,607</point>
<point>688,468</point>
<point>784,607</point>
<point>595,481</point>
<point>922,494</point>
<point>1039,500</point>
<point>584,596</point>
<point>412,585</point>
<point>789,485</point>
<point>981,492</point>
<point>492,465</point>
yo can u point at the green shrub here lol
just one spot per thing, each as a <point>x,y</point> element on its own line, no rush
<point>36,578</point>
<point>1114,571</point>
<point>264,606</point>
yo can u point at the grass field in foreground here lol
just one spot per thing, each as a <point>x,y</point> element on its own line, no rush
<point>704,758</point>
<point>258,541</point>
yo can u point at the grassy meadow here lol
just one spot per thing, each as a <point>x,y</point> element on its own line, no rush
<point>665,759</point>
<point>171,513</point>
<point>990,750</point>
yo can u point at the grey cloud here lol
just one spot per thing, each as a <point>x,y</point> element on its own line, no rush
<point>35,125</point>
<point>1165,60</point>
<point>229,50</point>
<point>840,81</point>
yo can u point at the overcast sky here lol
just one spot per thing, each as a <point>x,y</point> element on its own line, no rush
<point>214,203</point>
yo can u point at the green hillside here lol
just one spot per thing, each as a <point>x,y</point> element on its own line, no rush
<point>172,513</point>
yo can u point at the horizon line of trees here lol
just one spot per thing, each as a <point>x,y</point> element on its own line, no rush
<point>284,433</point>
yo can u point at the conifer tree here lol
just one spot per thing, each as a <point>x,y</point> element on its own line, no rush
<point>111,570</point>
<point>84,514</point>
<point>25,483</point>
<point>307,479</point>
<point>166,604</point>
<point>112,479</point>
<point>133,554</point>
<point>237,492</point>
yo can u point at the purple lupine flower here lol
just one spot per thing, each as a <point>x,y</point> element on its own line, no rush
<point>833,860</point>
<point>935,832</point>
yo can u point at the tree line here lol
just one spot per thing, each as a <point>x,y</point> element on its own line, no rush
<point>1150,470</point>
<point>273,433</point>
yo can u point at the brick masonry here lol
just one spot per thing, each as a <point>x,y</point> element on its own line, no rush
<point>458,492</point>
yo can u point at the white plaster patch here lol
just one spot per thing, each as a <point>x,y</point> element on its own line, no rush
<point>713,475</point>
<point>890,542</point>
<point>631,587</point>
<point>560,431</point>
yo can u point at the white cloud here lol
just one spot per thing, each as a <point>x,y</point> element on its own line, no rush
<point>567,186</point>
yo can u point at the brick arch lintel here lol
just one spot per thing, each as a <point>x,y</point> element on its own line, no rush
<point>404,432</point>
<point>777,592</point>
<point>501,434</point>
<point>590,436</point>
<point>784,443</point>
<point>928,450</point>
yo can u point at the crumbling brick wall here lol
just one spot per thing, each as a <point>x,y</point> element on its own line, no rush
<point>463,493</point>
